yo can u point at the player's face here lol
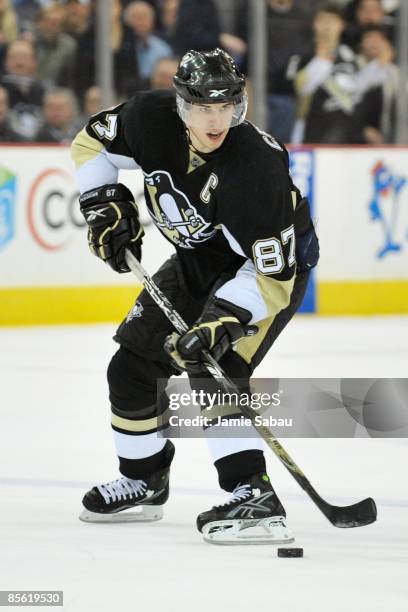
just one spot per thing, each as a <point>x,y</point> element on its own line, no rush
<point>209,125</point>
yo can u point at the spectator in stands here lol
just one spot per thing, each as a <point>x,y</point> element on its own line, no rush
<point>154,3</point>
<point>60,110</point>
<point>117,32</point>
<point>189,24</point>
<point>168,19</point>
<point>26,11</point>
<point>25,90</point>
<point>289,30</point>
<point>8,27</point>
<point>142,48</point>
<point>92,102</point>
<point>163,73</point>
<point>326,85</point>
<point>227,13</point>
<point>375,45</point>
<point>55,49</point>
<point>197,26</point>
<point>365,13</point>
<point>7,134</point>
<point>379,84</point>
<point>79,23</point>
<point>370,12</point>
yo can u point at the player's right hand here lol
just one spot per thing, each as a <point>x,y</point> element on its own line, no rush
<point>113,220</point>
<point>220,326</point>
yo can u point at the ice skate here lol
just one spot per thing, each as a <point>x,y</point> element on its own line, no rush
<point>125,500</point>
<point>253,515</point>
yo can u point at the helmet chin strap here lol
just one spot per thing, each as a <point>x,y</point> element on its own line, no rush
<point>189,138</point>
<point>190,142</point>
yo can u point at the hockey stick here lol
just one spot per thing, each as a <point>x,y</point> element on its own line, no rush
<point>179,324</point>
<point>356,515</point>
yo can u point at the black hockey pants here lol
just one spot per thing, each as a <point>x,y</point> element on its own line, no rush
<point>141,360</point>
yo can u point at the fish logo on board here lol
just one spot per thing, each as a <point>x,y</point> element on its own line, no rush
<point>385,207</point>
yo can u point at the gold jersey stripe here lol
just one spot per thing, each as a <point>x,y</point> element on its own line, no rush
<point>129,425</point>
<point>275,293</point>
<point>195,161</point>
<point>276,296</point>
<point>143,424</point>
<point>247,347</point>
<point>84,148</point>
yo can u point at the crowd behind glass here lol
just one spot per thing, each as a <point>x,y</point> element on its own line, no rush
<point>332,73</point>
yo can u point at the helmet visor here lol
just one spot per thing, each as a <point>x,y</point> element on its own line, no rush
<point>216,116</point>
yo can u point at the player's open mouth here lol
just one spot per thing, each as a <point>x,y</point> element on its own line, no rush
<point>215,136</point>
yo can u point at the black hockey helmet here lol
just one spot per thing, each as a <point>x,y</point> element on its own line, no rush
<point>208,77</point>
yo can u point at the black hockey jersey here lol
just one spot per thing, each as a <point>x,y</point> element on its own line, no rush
<point>231,211</point>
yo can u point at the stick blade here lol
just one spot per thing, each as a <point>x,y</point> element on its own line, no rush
<point>356,515</point>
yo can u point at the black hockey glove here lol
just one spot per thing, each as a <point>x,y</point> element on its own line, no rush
<point>113,220</point>
<point>307,243</point>
<point>220,325</point>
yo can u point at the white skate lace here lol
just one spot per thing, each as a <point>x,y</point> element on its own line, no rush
<point>122,489</point>
<point>240,493</point>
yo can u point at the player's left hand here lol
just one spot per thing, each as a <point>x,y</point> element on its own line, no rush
<point>219,327</point>
<point>113,224</point>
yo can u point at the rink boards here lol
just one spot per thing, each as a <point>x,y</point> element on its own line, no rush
<point>359,198</point>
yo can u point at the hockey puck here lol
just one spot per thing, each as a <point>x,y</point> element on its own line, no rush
<point>290,552</point>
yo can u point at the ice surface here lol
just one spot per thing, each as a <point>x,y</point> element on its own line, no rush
<point>55,443</point>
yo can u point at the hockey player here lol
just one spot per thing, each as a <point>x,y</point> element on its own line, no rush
<point>219,189</point>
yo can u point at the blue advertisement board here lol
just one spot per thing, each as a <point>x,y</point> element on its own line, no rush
<point>7,206</point>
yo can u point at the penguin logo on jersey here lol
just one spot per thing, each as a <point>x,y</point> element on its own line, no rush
<point>135,312</point>
<point>173,213</point>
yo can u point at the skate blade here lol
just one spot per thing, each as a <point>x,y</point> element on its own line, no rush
<point>271,530</point>
<point>139,514</point>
